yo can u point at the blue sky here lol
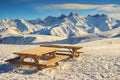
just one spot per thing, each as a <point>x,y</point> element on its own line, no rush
<point>31,9</point>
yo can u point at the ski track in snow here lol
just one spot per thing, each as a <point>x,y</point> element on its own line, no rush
<point>100,61</point>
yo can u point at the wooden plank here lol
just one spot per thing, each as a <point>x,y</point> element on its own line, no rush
<point>63,51</point>
<point>24,63</point>
<point>13,59</point>
<point>37,51</point>
<point>58,53</point>
<point>40,49</point>
<point>54,60</point>
<point>40,66</point>
<point>67,51</point>
<point>62,46</point>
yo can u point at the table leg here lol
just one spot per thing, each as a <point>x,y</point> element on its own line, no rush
<point>36,59</point>
<point>53,54</point>
<point>50,55</point>
<point>22,57</point>
<point>75,53</point>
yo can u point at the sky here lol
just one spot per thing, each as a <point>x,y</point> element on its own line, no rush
<point>32,9</point>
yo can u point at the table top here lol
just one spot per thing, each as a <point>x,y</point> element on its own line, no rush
<point>63,46</point>
<point>37,51</point>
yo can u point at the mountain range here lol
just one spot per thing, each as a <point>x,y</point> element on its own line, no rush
<point>64,25</point>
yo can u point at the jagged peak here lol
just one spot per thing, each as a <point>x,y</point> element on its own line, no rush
<point>49,17</point>
<point>7,20</point>
<point>97,15</point>
<point>36,21</point>
<point>76,14</point>
<point>71,14</point>
<point>62,16</point>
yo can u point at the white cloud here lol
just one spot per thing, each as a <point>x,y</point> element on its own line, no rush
<point>74,6</point>
<point>116,16</point>
<point>110,7</point>
<point>105,7</point>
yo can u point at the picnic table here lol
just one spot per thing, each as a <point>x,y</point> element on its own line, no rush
<point>37,54</point>
<point>72,49</point>
<point>44,52</point>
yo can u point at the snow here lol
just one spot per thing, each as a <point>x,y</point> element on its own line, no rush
<point>7,38</point>
<point>100,61</point>
<point>29,39</point>
<point>67,31</point>
<point>71,25</point>
<point>99,35</point>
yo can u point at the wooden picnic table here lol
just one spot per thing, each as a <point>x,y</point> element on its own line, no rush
<point>36,54</point>
<point>72,49</point>
<point>48,52</point>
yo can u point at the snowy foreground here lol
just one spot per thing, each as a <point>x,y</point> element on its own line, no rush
<point>100,61</point>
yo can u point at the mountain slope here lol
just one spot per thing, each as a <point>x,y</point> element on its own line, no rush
<point>71,25</point>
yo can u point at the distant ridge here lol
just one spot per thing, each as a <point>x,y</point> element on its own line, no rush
<point>64,25</point>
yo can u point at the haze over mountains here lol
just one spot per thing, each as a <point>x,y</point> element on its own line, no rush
<point>64,25</point>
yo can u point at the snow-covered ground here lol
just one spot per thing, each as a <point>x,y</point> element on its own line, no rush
<point>100,61</point>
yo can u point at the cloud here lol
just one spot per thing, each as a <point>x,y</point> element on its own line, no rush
<point>105,7</point>
<point>110,7</point>
<point>73,6</point>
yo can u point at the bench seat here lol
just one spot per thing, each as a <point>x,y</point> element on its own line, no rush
<point>12,60</point>
<point>43,65</point>
<point>55,60</point>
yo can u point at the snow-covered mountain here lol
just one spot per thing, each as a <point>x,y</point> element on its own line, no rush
<point>47,39</point>
<point>64,25</point>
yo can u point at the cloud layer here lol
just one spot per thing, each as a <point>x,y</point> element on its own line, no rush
<point>105,7</point>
